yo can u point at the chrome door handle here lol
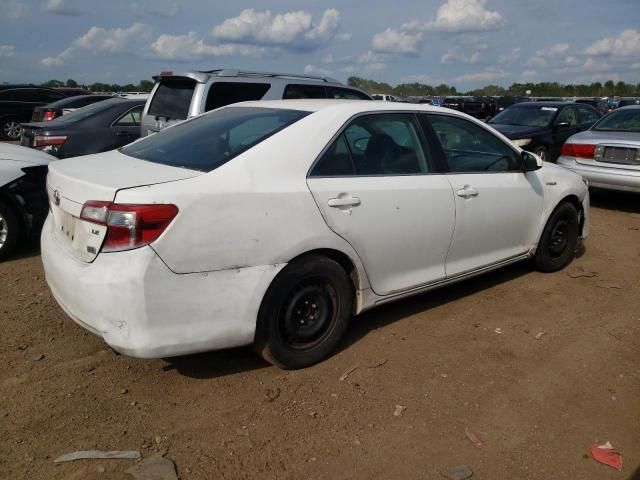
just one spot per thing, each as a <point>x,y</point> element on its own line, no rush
<point>467,192</point>
<point>346,201</point>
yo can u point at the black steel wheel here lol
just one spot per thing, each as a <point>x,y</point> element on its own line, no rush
<point>559,239</point>
<point>304,313</point>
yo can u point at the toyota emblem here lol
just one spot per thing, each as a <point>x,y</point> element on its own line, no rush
<point>56,197</point>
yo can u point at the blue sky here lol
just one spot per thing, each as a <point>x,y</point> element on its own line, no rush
<point>468,43</point>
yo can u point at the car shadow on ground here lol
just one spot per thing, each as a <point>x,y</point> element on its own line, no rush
<point>384,315</point>
<point>27,249</point>
<point>229,362</point>
<point>613,200</point>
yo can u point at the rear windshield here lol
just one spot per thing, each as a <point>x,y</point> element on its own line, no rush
<point>529,116</point>
<point>84,112</point>
<point>172,99</point>
<point>620,121</point>
<point>208,141</point>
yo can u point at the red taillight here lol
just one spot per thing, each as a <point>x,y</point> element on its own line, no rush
<point>41,141</point>
<point>129,225</point>
<point>48,115</point>
<point>578,150</point>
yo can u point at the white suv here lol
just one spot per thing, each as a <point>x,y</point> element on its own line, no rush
<point>178,96</point>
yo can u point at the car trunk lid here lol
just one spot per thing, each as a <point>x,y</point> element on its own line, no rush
<point>612,149</point>
<point>73,182</point>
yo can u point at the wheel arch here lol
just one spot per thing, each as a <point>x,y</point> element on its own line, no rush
<point>575,201</point>
<point>14,203</point>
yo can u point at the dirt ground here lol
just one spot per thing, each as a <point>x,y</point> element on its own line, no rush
<point>563,372</point>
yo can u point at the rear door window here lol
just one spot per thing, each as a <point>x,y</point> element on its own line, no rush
<point>208,141</point>
<point>587,116</point>
<point>225,93</point>
<point>173,98</point>
<point>346,94</point>
<point>294,91</point>
<point>130,118</point>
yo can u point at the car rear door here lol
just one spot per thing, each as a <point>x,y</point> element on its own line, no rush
<point>126,128</point>
<point>497,205</point>
<point>378,187</point>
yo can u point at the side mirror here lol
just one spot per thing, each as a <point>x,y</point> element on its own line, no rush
<point>531,162</point>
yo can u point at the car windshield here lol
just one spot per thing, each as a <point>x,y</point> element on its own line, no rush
<point>208,141</point>
<point>82,113</point>
<point>526,116</point>
<point>620,121</point>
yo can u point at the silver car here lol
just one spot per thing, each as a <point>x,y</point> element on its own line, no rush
<point>608,154</point>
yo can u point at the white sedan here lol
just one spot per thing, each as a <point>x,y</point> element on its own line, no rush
<point>273,223</point>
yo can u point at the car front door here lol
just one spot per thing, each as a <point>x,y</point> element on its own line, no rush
<point>498,206</point>
<point>566,124</point>
<point>377,187</point>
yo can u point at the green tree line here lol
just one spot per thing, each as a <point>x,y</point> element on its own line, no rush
<point>542,89</point>
<point>142,86</point>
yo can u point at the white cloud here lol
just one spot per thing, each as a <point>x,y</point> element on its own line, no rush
<point>292,30</point>
<point>592,65</point>
<point>189,46</point>
<point>555,50</point>
<point>458,16</point>
<point>396,41</point>
<point>7,50</point>
<point>57,7</point>
<point>510,56</point>
<point>369,61</point>
<point>627,44</point>
<point>635,66</point>
<point>102,40</point>
<point>466,16</point>
<point>455,56</point>
<point>12,9</point>
<point>554,54</point>
<point>529,74</point>
<point>489,74</point>
<point>313,70</point>
<point>328,58</point>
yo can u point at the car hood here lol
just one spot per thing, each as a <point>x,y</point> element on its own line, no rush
<point>518,131</point>
<point>595,137</point>
<point>28,156</point>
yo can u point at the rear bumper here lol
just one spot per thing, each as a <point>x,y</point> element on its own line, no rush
<point>142,309</point>
<point>609,178</point>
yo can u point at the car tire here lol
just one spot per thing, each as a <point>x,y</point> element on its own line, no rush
<point>9,230</point>
<point>10,128</point>
<point>304,313</point>
<point>559,241</point>
<point>543,153</point>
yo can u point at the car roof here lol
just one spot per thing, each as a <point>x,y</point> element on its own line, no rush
<point>628,107</point>
<point>543,104</point>
<point>348,106</point>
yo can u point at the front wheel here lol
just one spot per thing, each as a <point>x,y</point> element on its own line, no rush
<point>9,230</point>
<point>559,239</point>
<point>10,128</point>
<point>304,313</point>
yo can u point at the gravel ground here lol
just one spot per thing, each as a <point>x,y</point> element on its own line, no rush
<point>537,365</point>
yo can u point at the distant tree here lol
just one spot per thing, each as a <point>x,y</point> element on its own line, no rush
<point>145,86</point>
<point>53,84</point>
<point>72,83</point>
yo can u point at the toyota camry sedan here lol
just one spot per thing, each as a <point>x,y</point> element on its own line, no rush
<point>272,223</point>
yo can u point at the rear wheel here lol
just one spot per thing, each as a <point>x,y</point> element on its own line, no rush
<point>9,230</point>
<point>543,153</point>
<point>559,239</point>
<point>10,128</point>
<point>304,313</point>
